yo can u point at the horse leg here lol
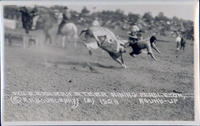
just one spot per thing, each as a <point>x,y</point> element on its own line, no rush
<point>27,31</point>
<point>75,38</point>
<point>33,41</point>
<point>75,42</point>
<point>46,38</point>
<point>49,38</point>
<point>123,64</point>
<point>36,41</point>
<point>183,47</point>
<point>63,41</point>
<point>24,41</point>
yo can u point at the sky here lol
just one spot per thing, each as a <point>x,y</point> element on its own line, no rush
<point>181,8</point>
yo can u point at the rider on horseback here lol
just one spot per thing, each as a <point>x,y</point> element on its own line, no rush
<point>66,17</point>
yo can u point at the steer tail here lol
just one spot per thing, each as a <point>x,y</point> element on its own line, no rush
<point>85,30</point>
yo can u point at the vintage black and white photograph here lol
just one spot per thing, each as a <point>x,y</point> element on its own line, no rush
<point>99,61</point>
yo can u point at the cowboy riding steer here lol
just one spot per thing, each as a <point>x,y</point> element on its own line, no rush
<point>107,41</point>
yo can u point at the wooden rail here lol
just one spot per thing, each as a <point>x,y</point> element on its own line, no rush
<point>22,37</point>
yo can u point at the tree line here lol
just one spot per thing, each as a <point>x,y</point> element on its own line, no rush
<point>118,19</point>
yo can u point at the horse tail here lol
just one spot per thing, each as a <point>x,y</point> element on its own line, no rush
<point>75,33</point>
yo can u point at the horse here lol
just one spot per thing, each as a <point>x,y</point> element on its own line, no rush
<point>69,32</point>
<point>46,22</point>
<point>27,19</point>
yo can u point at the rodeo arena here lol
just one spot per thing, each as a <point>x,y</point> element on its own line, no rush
<point>96,65</point>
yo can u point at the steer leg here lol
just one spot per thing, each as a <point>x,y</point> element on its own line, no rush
<point>121,62</point>
<point>122,59</point>
<point>75,40</point>
<point>118,59</point>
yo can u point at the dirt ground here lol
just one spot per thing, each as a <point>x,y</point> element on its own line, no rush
<point>55,69</point>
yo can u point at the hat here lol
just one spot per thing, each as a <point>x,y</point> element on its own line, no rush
<point>35,9</point>
<point>23,9</point>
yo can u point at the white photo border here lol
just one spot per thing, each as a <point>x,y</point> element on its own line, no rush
<point>196,68</point>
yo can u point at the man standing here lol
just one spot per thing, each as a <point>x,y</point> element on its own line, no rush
<point>178,41</point>
<point>66,17</point>
<point>95,22</point>
<point>183,42</point>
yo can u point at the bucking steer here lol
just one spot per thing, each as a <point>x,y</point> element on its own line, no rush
<point>106,40</point>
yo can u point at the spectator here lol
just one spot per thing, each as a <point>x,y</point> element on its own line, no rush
<point>95,22</point>
<point>66,17</point>
<point>178,41</point>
